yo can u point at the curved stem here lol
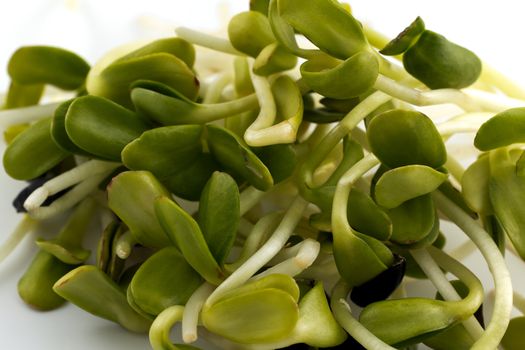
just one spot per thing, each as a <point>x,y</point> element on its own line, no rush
<point>343,315</point>
<point>209,41</point>
<point>215,88</point>
<point>192,310</point>
<point>159,332</point>
<point>268,110</point>
<point>443,285</point>
<point>265,253</point>
<point>306,253</point>
<point>502,281</point>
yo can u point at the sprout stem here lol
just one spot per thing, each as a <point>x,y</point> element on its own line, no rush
<point>159,332</point>
<point>445,288</point>
<point>265,253</point>
<point>125,245</point>
<point>268,110</point>
<point>24,227</point>
<point>205,40</point>
<point>249,198</point>
<point>67,179</point>
<point>502,281</point>
<point>343,315</point>
<point>215,88</point>
<point>192,310</point>
<point>306,253</point>
<point>24,115</point>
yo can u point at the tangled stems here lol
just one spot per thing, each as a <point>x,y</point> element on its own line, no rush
<point>29,114</point>
<point>343,315</point>
<point>502,281</point>
<point>265,253</point>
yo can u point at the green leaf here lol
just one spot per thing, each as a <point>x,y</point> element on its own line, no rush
<point>92,290</point>
<point>272,59</point>
<point>36,285</point>
<point>237,158</point>
<point>439,63</point>
<point>33,152</point>
<point>249,32</point>
<point>257,316</point>
<point>59,133</point>
<point>177,47</point>
<point>365,216</point>
<point>185,233</point>
<point>327,24</point>
<point>279,159</point>
<point>475,186</point>
<point>174,155</point>
<point>506,190</point>
<point>132,187</point>
<point>397,321</point>
<point>401,137</point>
<point>505,128</point>
<point>260,6</point>
<point>413,220</point>
<point>47,65</point>
<point>405,39</point>
<point>102,127</point>
<point>341,80</point>
<point>399,185</point>
<point>115,81</point>
<point>163,280</point>
<point>219,222</point>
<point>23,95</point>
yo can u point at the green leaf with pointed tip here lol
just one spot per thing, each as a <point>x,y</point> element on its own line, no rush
<point>33,152</point>
<point>503,129</point>
<point>357,262</point>
<point>168,107</point>
<point>177,47</point>
<point>36,285</point>
<point>439,63</point>
<point>163,280</point>
<point>229,150</point>
<point>102,127</point>
<point>397,321</point>
<point>92,290</point>
<point>341,79</point>
<point>59,133</point>
<point>272,59</point>
<point>316,325</point>
<point>71,256</point>
<point>174,155</point>
<point>278,281</point>
<point>402,137</point>
<point>219,222</point>
<point>405,39</point>
<point>184,232</point>
<point>399,185</point>
<point>513,339</point>
<point>413,220</point>
<point>124,192</point>
<point>365,216</point>
<point>326,24</point>
<point>475,186</point>
<point>47,65</point>
<point>249,32</point>
<point>256,316</point>
<point>115,81</point>
<point>23,95</point>
<point>506,190</point>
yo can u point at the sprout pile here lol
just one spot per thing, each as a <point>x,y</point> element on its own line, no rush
<point>282,201</point>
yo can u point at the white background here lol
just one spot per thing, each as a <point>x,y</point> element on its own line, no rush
<point>491,29</point>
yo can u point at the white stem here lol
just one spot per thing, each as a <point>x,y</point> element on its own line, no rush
<point>445,288</point>
<point>467,100</point>
<point>66,180</point>
<point>469,122</point>
<point>265,253</point>
<point>495,330</point>
<point>216,87</point>
<point>24,115</point>
<point>192,310</point>
<point>306,253</point>
<point>24,227</point>
<point>249,197</point>
<point>68,200</point>
<point>209,41</point>
<point>268,110</point>
<point>125,245</point>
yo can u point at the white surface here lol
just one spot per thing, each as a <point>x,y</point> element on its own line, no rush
<point>491,29</point>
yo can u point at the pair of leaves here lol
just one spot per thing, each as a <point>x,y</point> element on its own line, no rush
<point>205,244</point>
